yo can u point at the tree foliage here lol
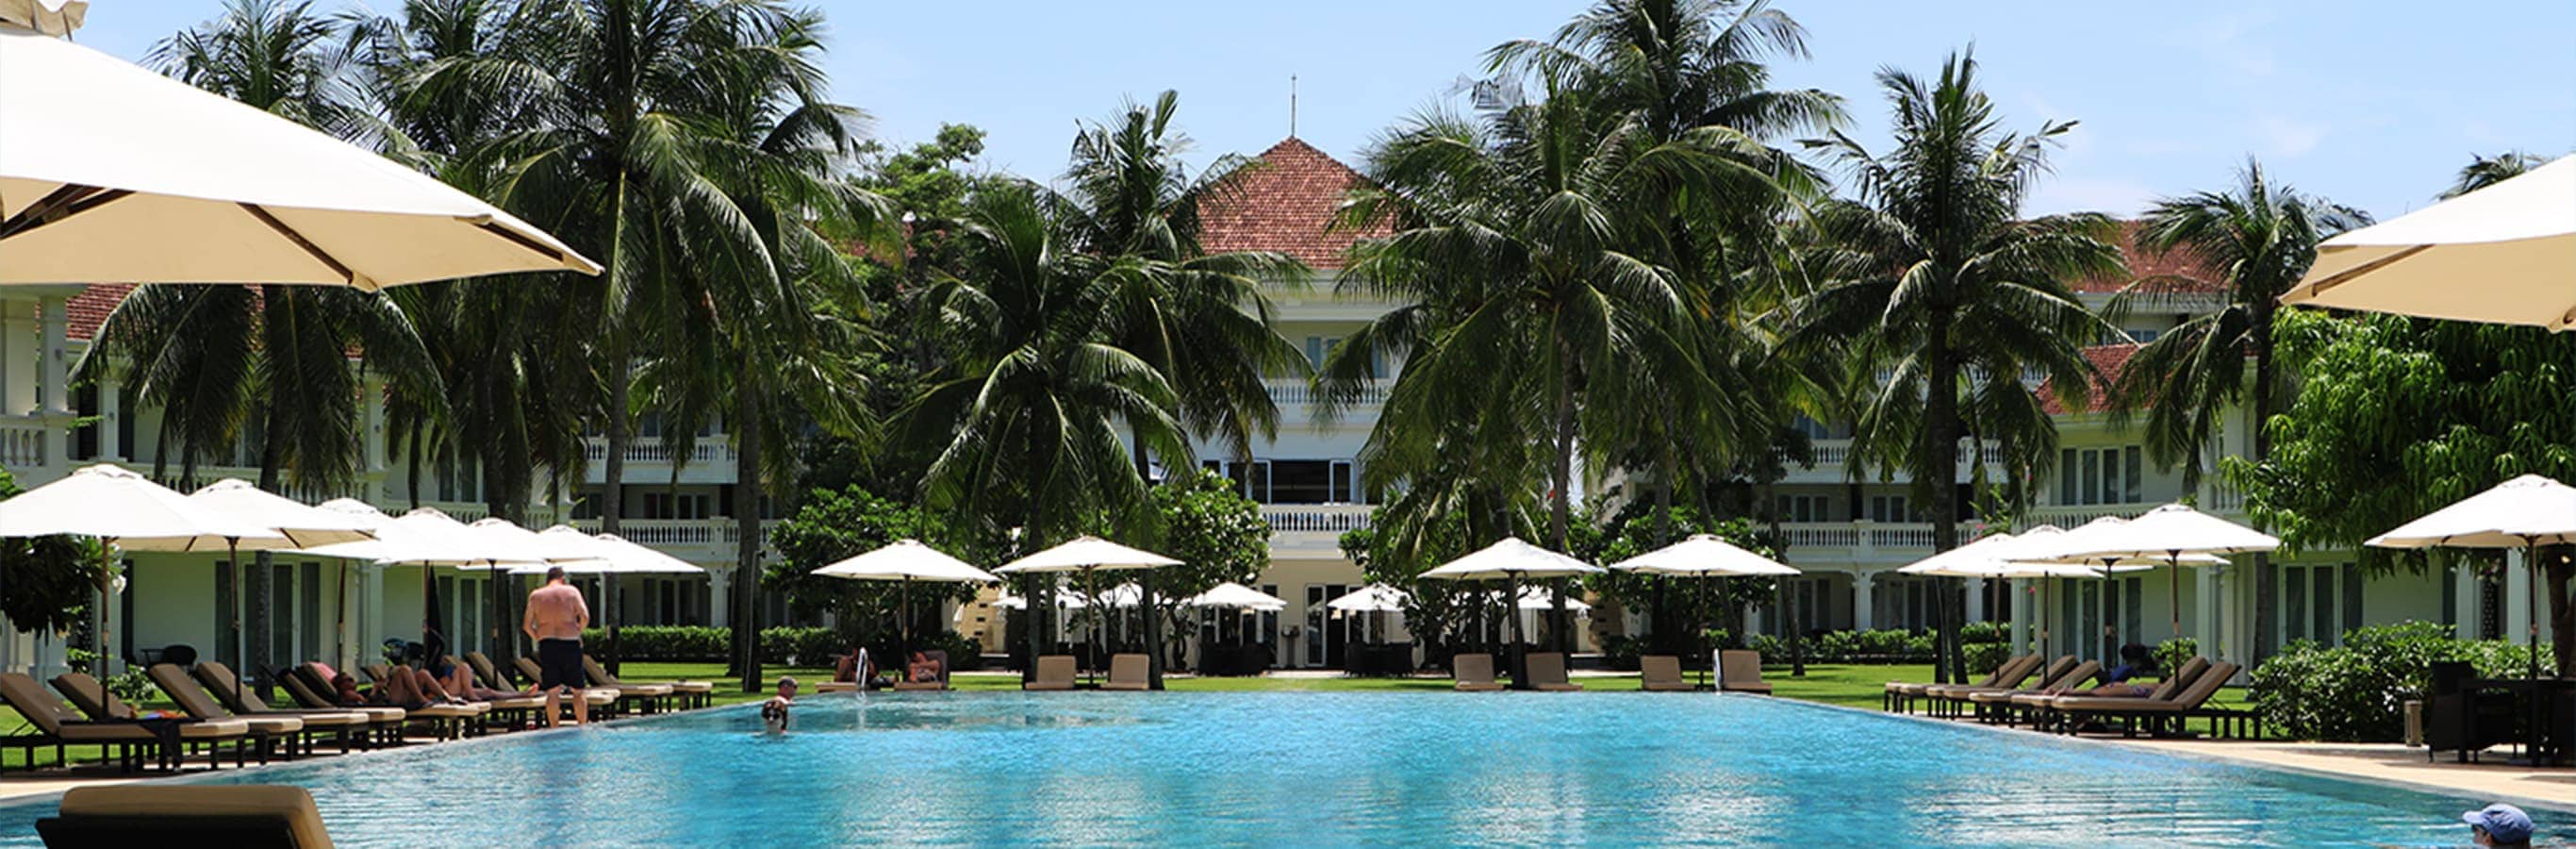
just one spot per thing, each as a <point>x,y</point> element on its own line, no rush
<point>49,581</point>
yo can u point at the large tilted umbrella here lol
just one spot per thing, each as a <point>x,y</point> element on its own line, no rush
<point>2505,254</point>
<point>1086,556</point>
<point>1510,561</point>
<point>1704,556</point>
<point>2171,533</point>
<point>124,510</point>
<point>907,561</point>
<point>110,172</point>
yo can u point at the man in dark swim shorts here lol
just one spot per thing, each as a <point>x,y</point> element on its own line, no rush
<point>556,615</point>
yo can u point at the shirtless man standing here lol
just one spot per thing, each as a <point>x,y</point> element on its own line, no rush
<point>556,615</point>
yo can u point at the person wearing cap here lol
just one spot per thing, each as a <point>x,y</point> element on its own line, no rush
<point>2498,825</point>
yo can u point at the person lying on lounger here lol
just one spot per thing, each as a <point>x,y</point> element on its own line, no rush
<point>773,713</point>
<point>922,669</point>
<point>855,667</point>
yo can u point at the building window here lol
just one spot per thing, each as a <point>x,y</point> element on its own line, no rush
<point>1888,508</point>
<point>1293,481</point>
<point>1806,508</point>
<point>2101,475</point>
<point>2319,602</point>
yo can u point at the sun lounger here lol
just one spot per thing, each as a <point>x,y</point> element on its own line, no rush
<point>1740,671</point>
<point>1475,673</point>
<point>653,697</point>
<point>2162,716</point>
<point>1900,695</point>
<point>1126,672</point>
<point>350,726</point>
<point>145,815</point>
<point>303,683</point>
<point>1945,700</point>
<point>99,704</point>
<point>2039,705</point>
<point>1662,673</point>
<point>1997,705</point>
<point>940,657</point>
<point>1055,672</point>
<point>192,700</point>
<point>1547,673</point>
<point>602,700</point>
<point>129,741</point>
<point>445,721</point>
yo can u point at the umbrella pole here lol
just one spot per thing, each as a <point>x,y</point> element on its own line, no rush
<point>903,629</point>
<point>1512,619</point>
<point>1699,626</point>
<point>106,583</point>
<point>2173,577</point>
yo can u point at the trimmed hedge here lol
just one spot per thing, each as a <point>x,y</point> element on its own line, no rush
<point>2356,692</point>
<point>778,646</point>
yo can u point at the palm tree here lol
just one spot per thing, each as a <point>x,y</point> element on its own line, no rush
<point>2261,235</point>
<point>1026,420</point>
<point>2483,171</point>
<point>749,330</point>
<point>1199,318</point>
<point>273,364</point>
<point>1941,285</point>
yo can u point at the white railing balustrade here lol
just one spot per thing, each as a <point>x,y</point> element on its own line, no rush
<point>1315,518</point>
<point>710,449</point>
<point>22,443</point>
<point>1296,393</point>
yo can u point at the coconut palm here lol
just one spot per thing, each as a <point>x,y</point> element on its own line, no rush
<point>1199,318</point>
<point>1027,419</point>
<point>1940,289</point>
<point>2483,171</point>
<point>272,363</point>
<point>2260,235</point>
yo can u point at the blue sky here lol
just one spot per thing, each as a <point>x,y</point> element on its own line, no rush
<point>2372,104</point>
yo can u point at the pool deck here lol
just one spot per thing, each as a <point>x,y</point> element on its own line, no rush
<point>2386,762</point>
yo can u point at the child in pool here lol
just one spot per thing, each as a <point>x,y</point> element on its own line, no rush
<point>773,713</point>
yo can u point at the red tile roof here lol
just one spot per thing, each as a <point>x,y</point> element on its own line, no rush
<point>2176,271</point>
<point>1286,204</point>
<point>87,311</point>
<point>2107,359</point>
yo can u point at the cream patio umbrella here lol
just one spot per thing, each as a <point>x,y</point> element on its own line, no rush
<point>1375,601</point>
<point>907,561</point>
<point>2075,547</point>
<point>2171,532</point>
<point>2505,254</point>
<point>429,537</point>
<point>1994,556</point>
<point>2526,513</point>
<point>298,524</point>
<point>1086,556</point>
<point>1510,561</point>
<point>364,515</point>
<point>110,172</point>
<point>1234,596</point>
<point>124,510</point>
<point>1704,556</point>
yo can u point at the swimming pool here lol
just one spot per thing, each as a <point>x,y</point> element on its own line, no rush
<point>1324,768</point>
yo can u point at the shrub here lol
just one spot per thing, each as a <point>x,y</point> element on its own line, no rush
<point>2171,654</point>
<point>1621,651</point>
<point>1986,656</point>
<point>682,643</point>
<point>1985,632</point>
<point>2356,692</point>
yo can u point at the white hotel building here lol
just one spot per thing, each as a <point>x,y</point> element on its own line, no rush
<point>1848,529</point>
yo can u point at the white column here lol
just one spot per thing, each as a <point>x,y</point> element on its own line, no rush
<point>372,476</point>
<point>111,409</point>
<point>371,603</point>
<point>2517,598</point>
<point>2021,616</point>
<point>719,613</point>
<point>2204,610</point>
<point>53,362</point>
<point>2464,601</point>
<point>1863,612</point>
<point>1976,599</point>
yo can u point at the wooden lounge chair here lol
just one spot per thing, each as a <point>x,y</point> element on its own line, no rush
<point>1901,695</point>
<point>1126,672</point>
<point>445,721</point>
<point>2038,705</point>
<point>1547,673</point>
<point>940,657</point>
<point>1475,673</point>
<point>686,694</point>
<point>1662,673</point>
<point>304,683</point>
<point>603,700</point>
<point>53,725</point>
<point>184,815</point>
<point>350,726</point>
<point>1740,671</point>
<point>2161,716</point>
<point>265,731</point>
<point>1055,672</point>
<point>1997,705</point>
<point>653,697</point>
<point>1946,700</point>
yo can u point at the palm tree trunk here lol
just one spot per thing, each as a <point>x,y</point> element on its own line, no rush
<point>1560,503</point>
<point>746,517</point>
<point>1941,460</point>
<point>262,573</point>
<point>2267,577</point>
<point>612,487</point>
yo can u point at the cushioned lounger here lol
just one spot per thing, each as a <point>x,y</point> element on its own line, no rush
<point>348,725</point>
<point>56,727</point>
<point>1475,672</point>
<point>1662,673</point>
<point>1547,673</point>
<point>1055,672</point>
<point>146,815</point>
<point>1740,671</point>
<point>1126,672</point>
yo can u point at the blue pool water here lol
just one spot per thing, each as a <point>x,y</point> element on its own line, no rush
<point>1325,768</point>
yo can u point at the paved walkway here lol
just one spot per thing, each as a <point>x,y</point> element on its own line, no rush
<point>2388,762</point>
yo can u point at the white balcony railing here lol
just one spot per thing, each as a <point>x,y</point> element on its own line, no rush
<point>22,442</point>
<point>1864,541</point>
<point>688,539</point>
<point>2070,515</point>
<point>1296,393</point>
<point>713,449</point>
<point>1832,454</point>
<point>1315,518</point>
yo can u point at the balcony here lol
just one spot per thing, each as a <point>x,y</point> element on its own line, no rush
<point>23,445</point>
<point>1296,393</point>
<point>1316,518</point>
<point>650,459</point>
<point>1863,542</point>
<point>700,541</point>
<point>1833,454</point>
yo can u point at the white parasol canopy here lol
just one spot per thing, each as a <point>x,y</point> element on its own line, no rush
<point>120,506</point>
<point>2176,535</point>
<point>607,554</point>
<point>301,525</point>
<point>110,172</point>
<point>1704,555</point>
<point>1511,558</point>
<point>2526,511</point>
<point>1994,556</point>
<point>1374,598</point>
<point>1086,553</point>
<point>2505,254</point>
<point>1239,597</point>
<point>520,547</point>
<point>1535,598</point>
<point>907,560</point>
<point>1069,601</point>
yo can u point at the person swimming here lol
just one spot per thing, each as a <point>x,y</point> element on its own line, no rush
<point>773,713</point>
